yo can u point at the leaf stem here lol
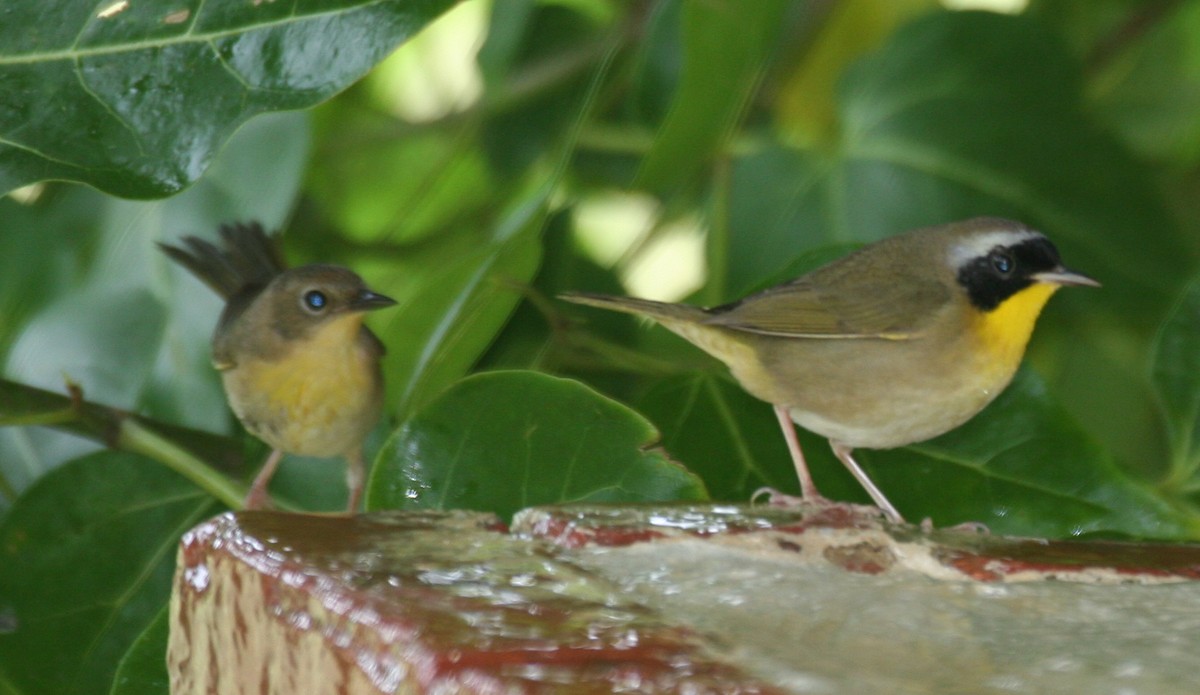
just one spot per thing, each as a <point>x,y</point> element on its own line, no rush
<point>133,436</point>
<point>612,355</point>
<point>27,406</point>
<point>45,419</point>
<point>719,238</point>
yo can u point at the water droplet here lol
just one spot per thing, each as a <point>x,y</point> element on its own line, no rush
<point>197,577</point>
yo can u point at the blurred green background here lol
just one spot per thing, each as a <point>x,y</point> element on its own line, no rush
<point>507,151</point>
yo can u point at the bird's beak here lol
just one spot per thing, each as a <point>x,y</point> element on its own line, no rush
<point>1062,276</point>
<point>368,300</point>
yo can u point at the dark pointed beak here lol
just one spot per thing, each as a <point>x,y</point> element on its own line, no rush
<point>1062,276</point>
<point>369,301</point>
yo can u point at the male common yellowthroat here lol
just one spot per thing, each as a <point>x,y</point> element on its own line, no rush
<point>300,369</point>
<point>893,344</point>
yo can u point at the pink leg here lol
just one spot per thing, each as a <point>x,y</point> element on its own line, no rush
<point>843,453</point>
<point>258,498</point>
<point>354,480</point>
<point>808,489</point>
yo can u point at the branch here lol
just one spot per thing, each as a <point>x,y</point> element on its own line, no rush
<point>183,450</point>
<point>1137,24</point>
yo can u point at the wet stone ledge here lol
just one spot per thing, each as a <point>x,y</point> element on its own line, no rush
<point>675,599</point>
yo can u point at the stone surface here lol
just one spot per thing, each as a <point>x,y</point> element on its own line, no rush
<point>836,601</point>
<point>857,539</point>
<point>683,599</point>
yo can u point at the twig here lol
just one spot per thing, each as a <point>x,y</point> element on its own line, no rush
<point>22,405</point>
<point>1139,22</point>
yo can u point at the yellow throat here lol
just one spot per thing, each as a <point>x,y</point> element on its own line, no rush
<point>1003,332</point>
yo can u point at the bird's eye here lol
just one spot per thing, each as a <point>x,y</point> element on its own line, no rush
<point>1002,262</point>
<point>315,301</point>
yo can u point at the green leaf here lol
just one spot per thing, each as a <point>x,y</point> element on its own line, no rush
<point>1175,370</point>
<point>53,346</point>
<point>503,441</point>
<point>723,434</point>
<point>538,75</point>
<point>41,249</point>
<point>453,300</point>
<point>528,339</point>
<point>805,106</point>
<point>82,575</point>
<point>143,669</point>
<point>1148,90</point>
<point>726,48</point>
<point>162,87</point>
<point>405,188</point>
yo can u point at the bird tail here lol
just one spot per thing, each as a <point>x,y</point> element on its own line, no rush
<point>689,322</point>
<point>246,258</point>
<point>659,311</point>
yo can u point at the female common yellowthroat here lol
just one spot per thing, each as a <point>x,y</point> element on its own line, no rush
<point>300,369</point>
<point>893,344</point>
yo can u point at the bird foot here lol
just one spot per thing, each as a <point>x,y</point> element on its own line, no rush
<point>970,527</point>
<point>258,499</point>
<point>817,503</point>
<point>775,498</point>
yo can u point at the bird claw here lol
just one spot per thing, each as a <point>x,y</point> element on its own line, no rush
<point>818,505</point>
<point>972,527</point>
<point>775,498</point>
<point>258,499</point>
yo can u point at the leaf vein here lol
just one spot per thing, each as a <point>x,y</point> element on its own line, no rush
<point>186,38</point>
<point>170,541</point>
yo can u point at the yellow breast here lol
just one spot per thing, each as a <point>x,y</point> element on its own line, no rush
<point>319,399</point>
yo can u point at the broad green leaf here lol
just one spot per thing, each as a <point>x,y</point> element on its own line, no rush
<point>1149,91</point>
<point>162,87</point>
<point>507,30</point>
<point>374,185</point>
<point>538,73</point>
<point>503,441</point>
<point>726,48</point>
<point>83,573</point>
<point>1090,26</point>
<point>143,669</point>
<point>454,297</point>
<point>659,61</point>
<point>529,339</point>
<point>64,340</point>
<point>1143,69</point>
<point>399,153</point>
<point>1175,369</point>
<point>722,434</point>
<point>806,106</point>
<point>43,247</point>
